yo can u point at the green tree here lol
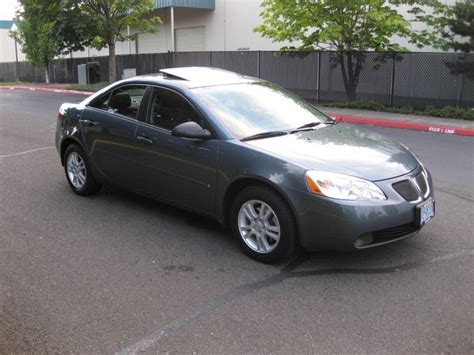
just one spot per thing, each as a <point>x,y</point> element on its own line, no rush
<point>460,37</point>
<point>108,20</point>
<point>34,35</point>
<point>350,27</point>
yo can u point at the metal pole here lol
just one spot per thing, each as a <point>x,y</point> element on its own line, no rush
<point>129,42</point>
<point>16,61</point>
<point>258,64</point>
<point>392,81</point>
<point>458,101</point>
<point>458,98</point>
<point>172,28</point>
<point>318,79</point>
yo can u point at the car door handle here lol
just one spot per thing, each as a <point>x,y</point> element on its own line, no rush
<point>89,122</point>
<point>144,140</point>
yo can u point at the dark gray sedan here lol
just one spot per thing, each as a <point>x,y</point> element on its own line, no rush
<point>250,154</point>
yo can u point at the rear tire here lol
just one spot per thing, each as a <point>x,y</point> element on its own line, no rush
<point>263,224</point>
<point>78,171</point>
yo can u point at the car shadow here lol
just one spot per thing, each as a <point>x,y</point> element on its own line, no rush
<point>412,249</point>
<point>138,201</point>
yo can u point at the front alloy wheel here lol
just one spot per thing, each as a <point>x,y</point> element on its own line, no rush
<point>262,222</point>
<point>259,226</point>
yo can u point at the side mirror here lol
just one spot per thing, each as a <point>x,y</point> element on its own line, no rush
<point>191,130</point>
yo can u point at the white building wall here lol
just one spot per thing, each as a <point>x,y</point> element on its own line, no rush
<point>7,48</point>
<point>229,27</point>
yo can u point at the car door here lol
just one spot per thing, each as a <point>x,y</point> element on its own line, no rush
<point>109,127</point>
<point>177,169</point>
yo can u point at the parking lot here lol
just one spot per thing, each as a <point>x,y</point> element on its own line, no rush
<point>117,272</point>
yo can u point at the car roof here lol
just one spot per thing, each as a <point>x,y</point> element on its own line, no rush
<point>193,77</point>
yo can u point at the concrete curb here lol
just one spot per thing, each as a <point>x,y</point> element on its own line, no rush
<point>404,125</point>
<point>344,118</point>
<point>43,89</point>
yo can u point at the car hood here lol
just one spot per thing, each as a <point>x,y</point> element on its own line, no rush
<point>344,149</point>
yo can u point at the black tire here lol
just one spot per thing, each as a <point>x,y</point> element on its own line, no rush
<point>90,186</point>
<point>288,240</point>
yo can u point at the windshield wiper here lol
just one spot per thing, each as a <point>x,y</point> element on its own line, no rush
<point>264,135</point>
<point>305,127</point>
<point>309,125</point>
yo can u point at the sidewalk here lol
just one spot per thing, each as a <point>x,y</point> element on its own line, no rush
<point>373,118</point>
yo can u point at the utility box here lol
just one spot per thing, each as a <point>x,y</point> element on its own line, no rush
<point>88,73</point>
<point>129,73</point>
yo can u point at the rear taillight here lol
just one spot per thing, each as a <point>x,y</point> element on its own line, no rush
<point>59,116</point>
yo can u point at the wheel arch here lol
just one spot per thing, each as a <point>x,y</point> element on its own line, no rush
<point>66,143</point>
<point>239,184</point>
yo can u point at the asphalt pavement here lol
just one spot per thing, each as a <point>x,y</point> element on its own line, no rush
<point>117,272</point>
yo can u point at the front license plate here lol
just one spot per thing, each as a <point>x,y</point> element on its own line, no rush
<point>425,211</point>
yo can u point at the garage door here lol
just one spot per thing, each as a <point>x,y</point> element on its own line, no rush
<point>190,39</point>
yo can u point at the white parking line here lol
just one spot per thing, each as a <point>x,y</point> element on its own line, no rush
<point>25,152</point>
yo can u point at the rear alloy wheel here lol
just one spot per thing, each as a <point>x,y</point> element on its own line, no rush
<point>78,172</point>
<point>263,225</point>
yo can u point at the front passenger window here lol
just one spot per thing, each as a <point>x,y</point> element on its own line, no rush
<point>126,101</point>
<point>169,109</point>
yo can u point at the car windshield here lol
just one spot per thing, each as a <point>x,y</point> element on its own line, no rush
<point>253,108</point>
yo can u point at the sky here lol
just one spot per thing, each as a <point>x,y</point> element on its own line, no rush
<point>7,9</point>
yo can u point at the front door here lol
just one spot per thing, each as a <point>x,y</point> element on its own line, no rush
<point>177,169</point>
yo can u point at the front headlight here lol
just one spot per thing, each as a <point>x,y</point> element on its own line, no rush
<point>342,186</point>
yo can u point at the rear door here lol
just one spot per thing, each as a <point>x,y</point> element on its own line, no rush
<point>109,127</point>
<point>180,170</point>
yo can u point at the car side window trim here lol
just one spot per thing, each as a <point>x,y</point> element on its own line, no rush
<point>142,115</point>
<point>117,115</point>
<point>198,112</point>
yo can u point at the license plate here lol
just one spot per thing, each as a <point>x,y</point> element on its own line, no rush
<point>425,211</point>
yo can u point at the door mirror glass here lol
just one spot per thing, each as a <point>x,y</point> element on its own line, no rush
<point>191,130</point>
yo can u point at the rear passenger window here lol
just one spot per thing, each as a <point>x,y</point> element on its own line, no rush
<point>126,101</point>
<point>101,102</point>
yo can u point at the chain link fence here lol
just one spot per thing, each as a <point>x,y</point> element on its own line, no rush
<point>399,79</point>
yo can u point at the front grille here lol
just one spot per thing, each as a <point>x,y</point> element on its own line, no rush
<point>406,189</point>
<point>395,232</point>
<point>421,181</point>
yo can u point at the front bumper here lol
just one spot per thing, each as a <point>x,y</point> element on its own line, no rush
<point>331,224</point>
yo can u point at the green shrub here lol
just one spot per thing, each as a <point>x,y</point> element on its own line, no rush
<point>89,87</point>
<point>446,112</point>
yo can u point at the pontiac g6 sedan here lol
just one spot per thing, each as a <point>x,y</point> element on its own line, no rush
<point>250,154</point>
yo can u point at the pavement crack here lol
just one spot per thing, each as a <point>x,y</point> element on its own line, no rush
<point>286,273</point>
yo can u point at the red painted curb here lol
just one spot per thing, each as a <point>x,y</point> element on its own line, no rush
<point>406,125</point>
<point>43,89</point>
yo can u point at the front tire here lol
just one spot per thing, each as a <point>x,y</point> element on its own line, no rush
<point>78,171</point>
<point>263,224</point>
